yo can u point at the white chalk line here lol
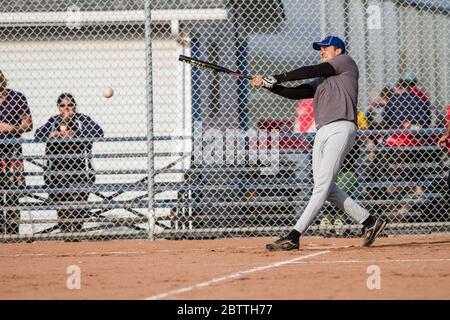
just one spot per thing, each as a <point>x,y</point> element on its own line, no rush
<point>150,251</point>
<point>370,261</point>
<point>16,255</point>
<point>64,254</point>
<point>232,276</point>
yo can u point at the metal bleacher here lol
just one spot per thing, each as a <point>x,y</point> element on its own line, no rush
<point>243,195</point>
<point>118,203</point>
<point>246,197</point>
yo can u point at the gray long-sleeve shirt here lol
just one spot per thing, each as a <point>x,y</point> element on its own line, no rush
<point>335,93</point>
<point>336,97</point>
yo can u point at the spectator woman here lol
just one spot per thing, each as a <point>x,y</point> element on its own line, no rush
<point>15,119</point>
<point>69,163</point>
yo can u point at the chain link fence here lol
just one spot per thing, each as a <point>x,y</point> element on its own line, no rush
<point>105,134</point>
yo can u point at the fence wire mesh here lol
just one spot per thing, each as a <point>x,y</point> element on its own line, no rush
<point>178,151</point>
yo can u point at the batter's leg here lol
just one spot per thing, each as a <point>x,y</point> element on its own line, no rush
<point>332,144</point>
<point>342,200</point>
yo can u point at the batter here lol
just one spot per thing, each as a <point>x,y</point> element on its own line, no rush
<point>335,95</point>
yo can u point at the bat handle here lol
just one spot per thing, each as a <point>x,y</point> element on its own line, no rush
<point>240,75</point>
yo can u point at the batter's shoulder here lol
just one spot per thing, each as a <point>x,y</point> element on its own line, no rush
<point>345,58</point>
<point>344,63</point>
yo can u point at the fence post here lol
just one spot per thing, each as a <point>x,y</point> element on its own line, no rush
<point>149,103</point>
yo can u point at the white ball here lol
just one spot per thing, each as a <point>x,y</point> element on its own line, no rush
<point>108,92</point>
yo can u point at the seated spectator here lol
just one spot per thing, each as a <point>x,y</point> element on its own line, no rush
<point>406,110</point>
<point>447,123</point>
<point>74,170</point>
<point>444,140</point>
<point>15,119</point>
<point>374,118</point>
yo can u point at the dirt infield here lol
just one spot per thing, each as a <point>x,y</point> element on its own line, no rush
<point>409,268</point>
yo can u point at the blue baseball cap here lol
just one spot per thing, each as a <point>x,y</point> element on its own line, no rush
<point>330,41</point>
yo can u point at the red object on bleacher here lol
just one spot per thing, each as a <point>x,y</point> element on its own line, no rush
<point>284,126</point>
<point>401,140</point>
<point>304,116</point>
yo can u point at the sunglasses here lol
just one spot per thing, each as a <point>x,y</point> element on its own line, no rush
<point>66,105</point>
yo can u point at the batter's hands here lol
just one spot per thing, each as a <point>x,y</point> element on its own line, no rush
<point>257,81</point>
<point>266,82</point>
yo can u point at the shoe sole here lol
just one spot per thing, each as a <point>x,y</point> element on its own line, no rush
<point>377,233</point>
<point>272,248</point>
<point>275,247</point>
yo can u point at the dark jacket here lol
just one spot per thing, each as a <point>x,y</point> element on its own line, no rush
<point>79,151</point>
<point>406,106</point>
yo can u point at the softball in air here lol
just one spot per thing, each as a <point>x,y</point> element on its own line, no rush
<point>108,92</point>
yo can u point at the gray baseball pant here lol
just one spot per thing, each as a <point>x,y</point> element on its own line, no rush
<point>331,144</point>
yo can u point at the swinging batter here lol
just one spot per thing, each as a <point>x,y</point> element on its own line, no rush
<point>335,93</point>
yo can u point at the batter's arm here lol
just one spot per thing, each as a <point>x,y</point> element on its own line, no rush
<point>304,91</point>
<point>308,72</point>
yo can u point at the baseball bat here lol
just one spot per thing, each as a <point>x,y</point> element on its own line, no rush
<point>211,67</point>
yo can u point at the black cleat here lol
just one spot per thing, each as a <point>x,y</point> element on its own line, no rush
<point>370,234</point>
<point>283,244</point>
